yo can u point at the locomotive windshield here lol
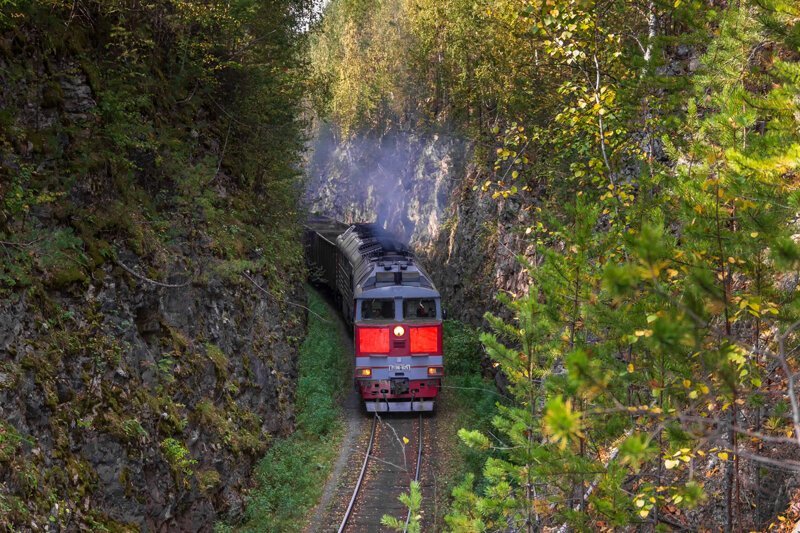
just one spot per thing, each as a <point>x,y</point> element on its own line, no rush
<point>419,308</point>
<point>377,309</point>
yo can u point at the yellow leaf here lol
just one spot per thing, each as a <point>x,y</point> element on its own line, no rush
<point>754,234</point>
<point>405,440</point>
<point>723,455</point>
<point>670,463</point>
<point>630,367</point>
<point>643,513</point>
<point>639,503</point>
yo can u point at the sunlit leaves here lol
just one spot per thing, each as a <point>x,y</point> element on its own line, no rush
<point>562,424</point>
<point>636,450</point>
<point>474,439</point>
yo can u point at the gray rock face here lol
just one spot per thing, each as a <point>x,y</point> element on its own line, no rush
<point>399,179</point>
<point>78,98</point>
<point>125,404</point>
<point>97,393</point>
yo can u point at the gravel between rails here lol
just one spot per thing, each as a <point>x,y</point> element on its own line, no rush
<point>389,473</point>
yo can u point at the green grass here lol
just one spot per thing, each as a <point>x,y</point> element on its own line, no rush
<point>290,478</point>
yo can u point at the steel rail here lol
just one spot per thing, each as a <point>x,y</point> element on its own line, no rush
<point>417,469</point>
<point>352,503</point>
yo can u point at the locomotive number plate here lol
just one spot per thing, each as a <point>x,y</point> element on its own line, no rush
<point>399,367</point>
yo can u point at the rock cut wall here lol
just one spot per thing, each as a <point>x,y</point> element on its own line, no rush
<point>104,385</point>
<point>142,373</point>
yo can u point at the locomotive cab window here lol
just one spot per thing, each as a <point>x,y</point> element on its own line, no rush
<point>419,308</point>
<point>377,309</point>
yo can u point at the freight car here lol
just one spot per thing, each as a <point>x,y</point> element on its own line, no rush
<point>393,307</point>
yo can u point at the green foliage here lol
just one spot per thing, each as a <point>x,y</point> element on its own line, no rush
<point>219,359</point>
<point>10,441</point>
<point>636,450</point>
<point>178,457</point>
<point>196,133</point>
<point>413,502</point>
<point>323,367</point>
<point>133,429</point>
<point>468,400</point>
<point>658,294</point>
<point>463,349</point>
<point>207,480</point>
<point>561,423</point>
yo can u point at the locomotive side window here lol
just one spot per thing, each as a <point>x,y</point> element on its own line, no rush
<point>419,308</point>
<point>377,309</point>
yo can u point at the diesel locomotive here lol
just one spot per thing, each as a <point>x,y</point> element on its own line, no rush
<point>391,304</point>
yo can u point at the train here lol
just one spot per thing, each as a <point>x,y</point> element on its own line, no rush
<point>391,304</point>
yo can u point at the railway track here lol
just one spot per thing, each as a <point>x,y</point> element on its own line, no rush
<point>389,465</point>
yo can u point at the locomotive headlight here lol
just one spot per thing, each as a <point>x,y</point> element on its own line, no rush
<point>399,331</point>
<point>364,372</point>
<point>434,370</point>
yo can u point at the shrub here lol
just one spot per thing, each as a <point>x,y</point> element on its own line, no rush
<point>462,349</point>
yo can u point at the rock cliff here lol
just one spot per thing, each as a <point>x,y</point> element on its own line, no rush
<point>147,346</point>
<point>105,386</point>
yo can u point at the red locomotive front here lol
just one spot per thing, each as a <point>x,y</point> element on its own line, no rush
<point>398,342</point>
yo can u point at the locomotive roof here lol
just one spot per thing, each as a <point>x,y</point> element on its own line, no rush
<point>390,278</point>
<point>382,262</point>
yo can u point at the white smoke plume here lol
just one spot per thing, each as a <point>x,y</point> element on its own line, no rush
<point>399,179</point>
